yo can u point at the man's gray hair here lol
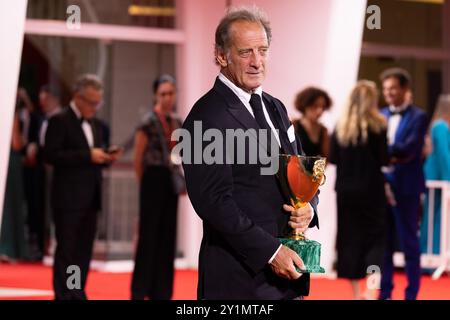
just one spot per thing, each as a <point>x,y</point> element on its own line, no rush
<point>250,14</point>
<point>88,80</point>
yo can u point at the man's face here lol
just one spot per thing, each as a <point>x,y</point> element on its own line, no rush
<point>47,101</point>
<point>44,98</point>
<point>245,63</point>
<point>393,93</point>
<point>88,101</point>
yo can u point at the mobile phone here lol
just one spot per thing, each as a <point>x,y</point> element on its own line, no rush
<point>113,150</point>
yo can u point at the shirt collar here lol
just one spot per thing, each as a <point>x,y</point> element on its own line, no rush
<point>401,108</point>
<point>242,94</point>
<point>74,108</point>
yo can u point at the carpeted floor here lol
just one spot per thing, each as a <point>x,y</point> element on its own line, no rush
<point>33,281</point>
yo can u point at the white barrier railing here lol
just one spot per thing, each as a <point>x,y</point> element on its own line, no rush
<point>440,261</point>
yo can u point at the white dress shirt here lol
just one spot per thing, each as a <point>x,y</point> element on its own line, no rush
<point>245,99</point>
<point>394,122</point>
<point>87,129</point>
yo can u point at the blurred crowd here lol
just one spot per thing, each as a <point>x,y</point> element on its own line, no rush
<point>54,185</point>
<point>383,157</point>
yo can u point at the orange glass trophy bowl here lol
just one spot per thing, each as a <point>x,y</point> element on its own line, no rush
<point>300,177</point>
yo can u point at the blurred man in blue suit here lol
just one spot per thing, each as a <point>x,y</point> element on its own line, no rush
<point>406,131</point>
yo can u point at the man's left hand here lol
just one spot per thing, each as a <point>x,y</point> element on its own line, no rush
<point>300,218</point>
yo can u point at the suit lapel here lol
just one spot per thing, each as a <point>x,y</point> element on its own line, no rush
<point>237,109</point>
<point>281,122</point>
<point>402,125</point>
<point>235,106</point>
<point>78,127</point>
<point>241,114</point>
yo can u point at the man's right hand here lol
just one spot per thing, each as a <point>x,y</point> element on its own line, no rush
<point>283,264</point>
<point>98,156</point>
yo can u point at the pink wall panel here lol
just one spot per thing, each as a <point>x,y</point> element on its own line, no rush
<point>12,21</point>
<point>314,43</point>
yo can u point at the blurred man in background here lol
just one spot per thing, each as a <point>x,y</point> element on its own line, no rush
<point>407,126</point>
<point>50,103</point>
<point>73,146</point>
<point>33,174</point>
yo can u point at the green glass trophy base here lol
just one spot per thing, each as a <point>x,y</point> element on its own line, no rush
<point>309,251</point>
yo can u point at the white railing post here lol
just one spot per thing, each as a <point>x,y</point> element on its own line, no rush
<point>443,255</point>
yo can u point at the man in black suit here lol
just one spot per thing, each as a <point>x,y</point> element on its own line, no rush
<point>72,146</point>
<point>243,211</point>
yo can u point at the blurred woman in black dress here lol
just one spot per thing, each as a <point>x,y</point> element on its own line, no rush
<point>155,254</point>
<point>13,245</point>
<point>312,103</point>
<point>359,149</point>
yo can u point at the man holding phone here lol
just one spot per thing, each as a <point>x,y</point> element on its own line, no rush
<point>73,146</point>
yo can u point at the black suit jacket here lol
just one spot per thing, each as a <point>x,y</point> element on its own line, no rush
<point>76,180</point>
<point>241,209</point>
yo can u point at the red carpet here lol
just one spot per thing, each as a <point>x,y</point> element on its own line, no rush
<point>112,286</point>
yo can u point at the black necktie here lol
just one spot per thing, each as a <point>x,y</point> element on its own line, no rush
<point>257,107</point>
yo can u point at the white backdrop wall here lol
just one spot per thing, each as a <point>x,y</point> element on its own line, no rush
<point>12,21</point>
<point>196,73</point>
<point>314,43</point>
